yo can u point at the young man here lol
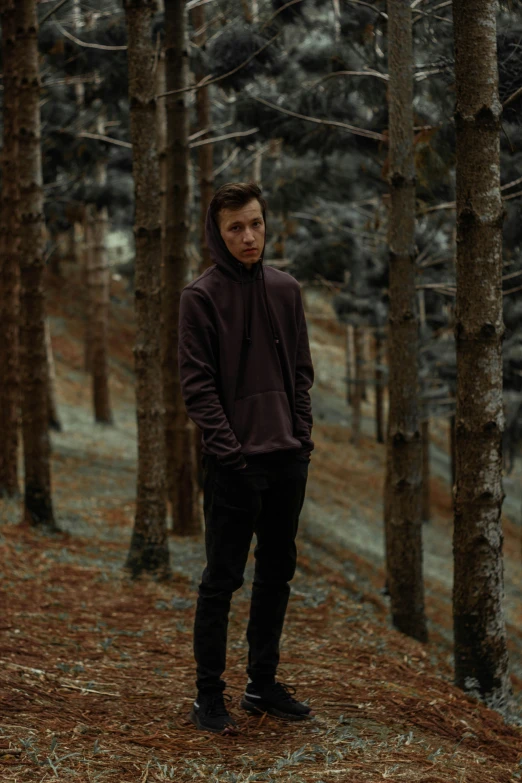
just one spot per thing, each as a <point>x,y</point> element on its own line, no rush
<point>245,372</point>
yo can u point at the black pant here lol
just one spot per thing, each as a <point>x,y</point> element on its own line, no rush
<point>264,498</point>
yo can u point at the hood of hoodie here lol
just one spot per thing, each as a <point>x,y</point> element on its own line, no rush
<point>237,271</point>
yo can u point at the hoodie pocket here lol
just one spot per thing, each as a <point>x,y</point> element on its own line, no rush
<point>263,421</point>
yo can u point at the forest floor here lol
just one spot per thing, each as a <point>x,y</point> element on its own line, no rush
<point>96,671</point>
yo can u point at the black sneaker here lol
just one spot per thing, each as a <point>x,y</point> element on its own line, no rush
<point>275,699</point>
<point>210,714</point>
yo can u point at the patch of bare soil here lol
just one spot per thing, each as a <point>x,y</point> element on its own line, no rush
<point>97,673</point>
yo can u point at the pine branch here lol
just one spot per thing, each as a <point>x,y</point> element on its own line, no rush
<point>88,45</point>
<point>51,12</point>
<point>377,74</point>
<point>226,163</point>
<point>128,145</point>
<point>331,123</point>
<point>512,290</point>
<point>512,98</point>
<point>222,138</point>
<point>207,80</point>
<point>369,5</point>
<point>280,10</point>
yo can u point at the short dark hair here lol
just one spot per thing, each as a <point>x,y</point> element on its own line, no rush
<point>234,195</point>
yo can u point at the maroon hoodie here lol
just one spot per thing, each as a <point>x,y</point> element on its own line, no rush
<point>244,358</point>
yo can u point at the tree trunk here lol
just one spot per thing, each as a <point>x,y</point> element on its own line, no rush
<point>379,387</point>
<point>257,166</point>
<point>182,486</point>
<point>9,264</point>
<point>38,508</point>
<point>481,658</point>
<point>205,152</point>
<point>100,291</point>
<point>161,139</point>
<point>149,549</point>
<point>426,505</point>
<point>348,350</point>
<point>366,361</point>
<point>80,230</point>
<point>404,529</point>
<point>87,275</point>
<point>206,182</point>
<point>357,385</point>
<point>453,456</point>
<point>52,416</point>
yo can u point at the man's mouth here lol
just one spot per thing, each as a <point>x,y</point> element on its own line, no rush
<point>250,250</point>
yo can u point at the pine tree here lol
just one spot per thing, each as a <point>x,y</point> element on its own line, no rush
<point>9,262</point>
<point>481,658</point>
<point>33,357</point>
<point>182,484</point>
<point>149,549</point>
<point>404,484</point>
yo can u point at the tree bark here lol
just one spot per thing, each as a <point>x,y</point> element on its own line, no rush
<point>149,550</point>
<point>379,387</point>
<point>481,658</point>
<point>404,529</point>
<point>38,507</point>
<point>9,264</point>
<point>182,484</point>
<point>161,139</point>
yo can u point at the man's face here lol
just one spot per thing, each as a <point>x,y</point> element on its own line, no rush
<point>243,231</point>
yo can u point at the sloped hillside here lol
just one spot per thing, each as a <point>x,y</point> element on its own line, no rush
<point>96,672</point>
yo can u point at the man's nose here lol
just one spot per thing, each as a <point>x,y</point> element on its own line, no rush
<point>248,236</point>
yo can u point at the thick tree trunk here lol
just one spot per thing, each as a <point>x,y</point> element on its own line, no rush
<point>481,658</point>
<point>38,508</point>
<point>182,484</point>
<point>404,529</point>
<point>379,387</point>
<point>149,550</point>
<point>357,385</point>
<point>9,264</point>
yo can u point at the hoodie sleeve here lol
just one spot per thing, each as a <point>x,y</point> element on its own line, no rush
<point>304,380</point>
<point>198,372</point>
